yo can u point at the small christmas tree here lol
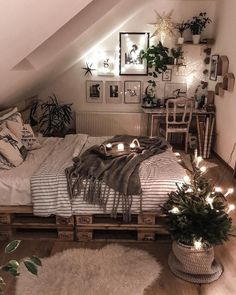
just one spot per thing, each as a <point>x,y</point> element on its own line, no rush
<point>198,212</point>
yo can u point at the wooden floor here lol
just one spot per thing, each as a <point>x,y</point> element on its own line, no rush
<point>167,284</point>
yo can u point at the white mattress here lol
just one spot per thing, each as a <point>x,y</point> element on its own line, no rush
<point>15,183</point>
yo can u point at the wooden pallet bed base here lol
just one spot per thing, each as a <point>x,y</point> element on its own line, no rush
<point>19,222</point>
<point>144,227</point>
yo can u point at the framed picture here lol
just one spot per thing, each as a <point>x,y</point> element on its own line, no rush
<point>94,91</point>
<point>132,92</point>
<point>106,63</point>
<point>213,69</point>
<point>130,62</point>
<point>114,91</point>
<point>167,75</point>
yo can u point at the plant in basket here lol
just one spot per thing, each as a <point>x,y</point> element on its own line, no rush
<point>198,218</point>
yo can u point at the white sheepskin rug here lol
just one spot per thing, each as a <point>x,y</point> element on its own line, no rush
<point>112,270</point>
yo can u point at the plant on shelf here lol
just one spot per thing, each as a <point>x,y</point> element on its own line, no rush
<point>13,266</point>
<point>177,54</point>
<point>55,118</point>
<point>197,25</point>
<point>198,218</point>
<point>182,27</point>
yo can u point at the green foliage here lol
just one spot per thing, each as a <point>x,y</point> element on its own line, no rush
<point>177,53</point>
<point>198,23</point>
<point>194,218</point>
<point>13,266</point>
<point>182,27</point>
<point>55,117</point>
<point>157,57</point>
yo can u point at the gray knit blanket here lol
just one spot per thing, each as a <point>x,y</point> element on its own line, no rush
<point>121,173</point>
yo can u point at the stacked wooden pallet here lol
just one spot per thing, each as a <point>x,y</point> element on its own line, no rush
<point>24,225</point>
<point>144,227</point>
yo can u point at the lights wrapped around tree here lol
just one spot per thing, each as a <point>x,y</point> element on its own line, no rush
<point>198,218</point>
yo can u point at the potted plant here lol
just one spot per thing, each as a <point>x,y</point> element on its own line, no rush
<point>198,218</point>
<point>182,27</point>
<point>55,117</point>
<point>197,25</point>
<point>13,266</point>
<point>177,54</point>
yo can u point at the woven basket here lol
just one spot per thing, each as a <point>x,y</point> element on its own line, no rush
<point>198,266</point>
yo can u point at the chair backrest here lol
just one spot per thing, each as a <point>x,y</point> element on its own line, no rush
<point>179,111</point>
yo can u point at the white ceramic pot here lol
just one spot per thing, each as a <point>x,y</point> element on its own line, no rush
<point>181,40</point>
<point>196,39</point>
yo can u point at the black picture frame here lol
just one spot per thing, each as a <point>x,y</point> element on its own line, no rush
<point>130,44</point>
<point>214,66</point>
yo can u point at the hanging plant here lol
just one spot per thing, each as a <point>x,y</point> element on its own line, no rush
<point>157,57</point>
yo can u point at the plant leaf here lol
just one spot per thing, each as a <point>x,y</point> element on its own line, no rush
<point>36,260</point>
<point>12,246</point>
<point>32,268</point>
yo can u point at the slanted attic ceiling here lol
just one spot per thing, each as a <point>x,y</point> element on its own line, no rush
<point>41,39</point>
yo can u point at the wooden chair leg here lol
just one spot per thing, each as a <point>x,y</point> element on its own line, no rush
<point>186,142</point>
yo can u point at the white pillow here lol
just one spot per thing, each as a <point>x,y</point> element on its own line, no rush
<point>11,148</point>
<point>25,134</point>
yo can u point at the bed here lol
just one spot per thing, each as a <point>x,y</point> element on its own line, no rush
<point>39,188</point>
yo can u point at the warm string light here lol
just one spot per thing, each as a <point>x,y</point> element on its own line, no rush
<point>203,169</point>
<point>187,179</point>
<point>210,201</point>
<point>231,207</point>
<point>229,192</point>
<point>175,210</point>
<point>198,244</point>
<point>218,189</point>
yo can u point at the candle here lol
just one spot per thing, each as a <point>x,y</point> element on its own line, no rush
<point>120,147</point>
<point>229,192</point>
<point>132,145</point>
<point>109,146</point>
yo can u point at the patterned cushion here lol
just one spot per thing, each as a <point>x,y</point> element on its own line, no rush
<point>25,133</point>
<point>4,163</point>
<point>11,148</point>
<point>10,115</point>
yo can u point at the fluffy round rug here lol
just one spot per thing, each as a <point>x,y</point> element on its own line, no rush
<point>112,270</point>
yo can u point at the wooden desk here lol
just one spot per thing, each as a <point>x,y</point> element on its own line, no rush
<point>205,125</point>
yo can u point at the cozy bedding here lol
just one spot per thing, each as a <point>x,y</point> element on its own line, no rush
<point>41,180</point>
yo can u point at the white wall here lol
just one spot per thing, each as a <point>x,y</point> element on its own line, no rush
<point>70,86</point>
<point>226,106</point>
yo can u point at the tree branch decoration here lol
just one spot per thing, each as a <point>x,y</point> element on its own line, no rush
<point>13,266</point>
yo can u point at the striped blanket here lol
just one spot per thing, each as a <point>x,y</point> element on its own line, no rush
<point>158,176</point>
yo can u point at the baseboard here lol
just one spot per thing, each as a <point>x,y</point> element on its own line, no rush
<point>233,171</point>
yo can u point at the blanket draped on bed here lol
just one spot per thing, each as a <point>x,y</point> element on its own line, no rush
<point>91,169</point>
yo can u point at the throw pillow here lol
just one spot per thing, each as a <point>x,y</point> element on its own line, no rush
<point>11,148</point>
<point>4,163</point>
<point>25,133</point>
<point>10,115</point>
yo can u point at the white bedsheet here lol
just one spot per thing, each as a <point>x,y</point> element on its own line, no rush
<point>15,183</point>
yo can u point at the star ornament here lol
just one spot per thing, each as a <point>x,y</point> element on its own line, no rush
<point>164,26</point>
<point>88,69</point>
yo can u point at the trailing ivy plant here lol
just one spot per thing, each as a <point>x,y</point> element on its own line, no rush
<point>13,266</point>
<point>55,117</point>
<point>157,57</point>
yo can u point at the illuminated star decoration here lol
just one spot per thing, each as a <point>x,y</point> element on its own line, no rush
<point>163,26</point>
<point>88,69</point>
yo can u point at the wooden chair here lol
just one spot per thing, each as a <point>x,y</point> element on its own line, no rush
<point>178,117</point>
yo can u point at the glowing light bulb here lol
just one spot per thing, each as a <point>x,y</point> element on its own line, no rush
<point>231,207</point>
<point>132,145</point>
<point>203,169</point>
<point>174,210</point>
<point>198,244</point>
<point>218,189</point>
<point>198,161</point>
<point>229,192</point>
<point>210,201</point>
<point>187,179</point>
<point>177,154</point>
<point>189,190</point>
